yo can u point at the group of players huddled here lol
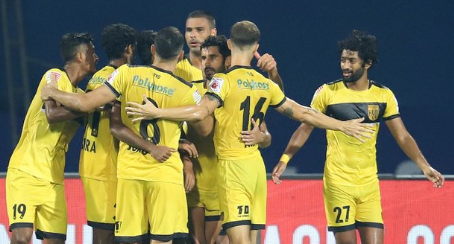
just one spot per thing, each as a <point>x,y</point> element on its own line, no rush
<point>170,150</point>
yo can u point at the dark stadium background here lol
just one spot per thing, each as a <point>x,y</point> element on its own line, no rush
<point>415,41</point>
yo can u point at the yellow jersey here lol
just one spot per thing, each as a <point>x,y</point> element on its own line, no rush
<point>98,156</point>
<point>206,163</point>
<point>187,72</point>
<point>165,90</point>
<point>42,146</point>
<point>349,161</point>
<point>243,94</point>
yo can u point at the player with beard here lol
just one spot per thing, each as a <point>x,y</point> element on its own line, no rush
<point>236,98</point>
<point>351,188</point>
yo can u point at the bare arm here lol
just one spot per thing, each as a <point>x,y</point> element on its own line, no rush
<point>196,112</point>
<point>125,134</point>
<point>267,63</point>
<point>204,127</point>
<point>411,149</point>
<point>55,113</point>
<point>311,116</point>
<point>297,141</point>
<point>84,102</point>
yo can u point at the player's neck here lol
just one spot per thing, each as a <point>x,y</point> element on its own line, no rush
<point>117,62</point>
<point>75,73</point>
<point>196,60</point>
<point>361,84</point>
<point>168,65</point>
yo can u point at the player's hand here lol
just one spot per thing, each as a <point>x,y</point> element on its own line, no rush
<point>188,147</point>
<point>355,128</point>
<point>435,177</point>
<point>48,89</point>
<point>146,110</point>
<point>161,153</point>
<point>189,177</point>
<point>266,62</point>
<point>277,172</point>
<point>254,136</point>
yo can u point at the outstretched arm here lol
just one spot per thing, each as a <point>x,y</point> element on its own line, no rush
<point>311,116</point>
<point>297,140</point>
<point>411,149</point>
<point>84,102</point>
<point>196,112</point>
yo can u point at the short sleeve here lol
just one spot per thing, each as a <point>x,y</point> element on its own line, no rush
<point>319,100</point>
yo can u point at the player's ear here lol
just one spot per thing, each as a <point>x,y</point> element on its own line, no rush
<point>181,56</point>
<point>256,48</point>
<point>214,32</point>
<point>153,50</point>
<point>129,49</point>
<point>79,57</point>
<point>229,44</point>
<point>228,62</point>
<point>368,64</point>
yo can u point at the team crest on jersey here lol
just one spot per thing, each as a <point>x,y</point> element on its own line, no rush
<point>112,76</point>
<point>216,84</point>
<point>372,112</point>
<point>53,76</point>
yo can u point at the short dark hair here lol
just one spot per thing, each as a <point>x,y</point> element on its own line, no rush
<point>144,41</point>
<point>169,43</point>
<point>70,42</point>
<point>203,14</point>
<point>217,41</point>
<point>244,33</point>
<point>364,44</point>
<point>116,38</point>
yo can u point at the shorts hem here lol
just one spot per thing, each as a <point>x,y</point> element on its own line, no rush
<point>102,226</point>
<point>257,226</point>
<point>126,239</point>
<point>213,218</point>
<point>369,224</point>
<point>235,223</point>
<point>48,235</point>
<point>166,238</point>
<point>20,225</point>
<point>336,229</point>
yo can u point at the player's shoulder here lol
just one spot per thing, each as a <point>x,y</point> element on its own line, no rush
<point>175,78</point>
<point>378,85</point>
<point>54,74</point>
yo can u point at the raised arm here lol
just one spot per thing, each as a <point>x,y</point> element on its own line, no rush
<point>411,149</point>
<point>267,63</point>
<point>311,116</point>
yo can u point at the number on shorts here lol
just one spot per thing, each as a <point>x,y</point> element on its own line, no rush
<point>156,138</point>
<point>339,214</point>
<point>19,209</point>
<point>245,208</point>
